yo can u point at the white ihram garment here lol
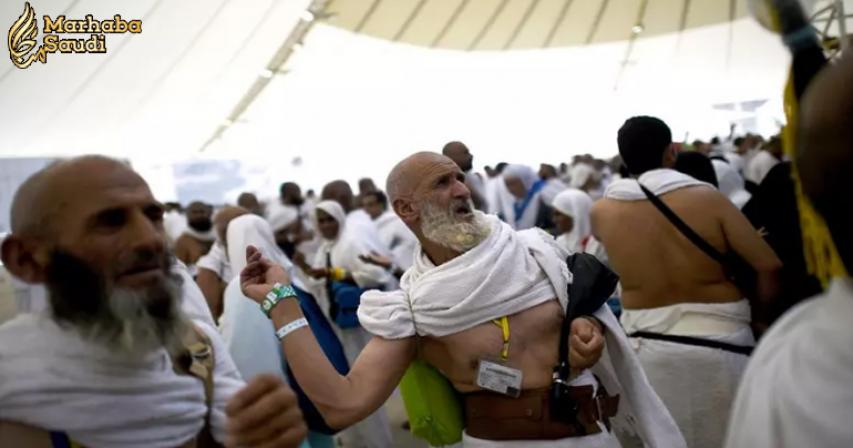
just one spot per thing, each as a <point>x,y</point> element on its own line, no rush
<point>505,274</point>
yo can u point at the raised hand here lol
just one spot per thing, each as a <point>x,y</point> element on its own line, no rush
<point>260,275</point>
<point>376,259</point>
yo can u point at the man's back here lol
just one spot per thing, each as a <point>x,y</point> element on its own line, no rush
<point>657,265</point>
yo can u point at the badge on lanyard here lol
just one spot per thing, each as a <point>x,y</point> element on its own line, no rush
<point>496,377</point>
<point>494,374</point>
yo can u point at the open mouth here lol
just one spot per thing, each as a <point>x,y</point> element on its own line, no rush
<point>462,210</point>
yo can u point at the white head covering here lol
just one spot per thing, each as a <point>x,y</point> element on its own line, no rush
<point>282,217</point>
<point>248,333</point>
<point>333,209</point>
<point>528,178</point>
<point>343,251</point>
<point>523,173</point>
<point>577,204</point>
<point>581,174</point>
<point>253,230</point>
<point>731,183</point>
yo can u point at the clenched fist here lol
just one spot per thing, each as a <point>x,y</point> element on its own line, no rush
<point>586,342</point>
<point>265,414</point>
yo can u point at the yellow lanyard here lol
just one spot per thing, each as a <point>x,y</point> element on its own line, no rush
<point>504,324</point>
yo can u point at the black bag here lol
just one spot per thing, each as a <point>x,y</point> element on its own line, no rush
<point>736,269</point>
<point>593,283</point>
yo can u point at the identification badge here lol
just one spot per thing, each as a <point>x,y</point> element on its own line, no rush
<point>496,377</point>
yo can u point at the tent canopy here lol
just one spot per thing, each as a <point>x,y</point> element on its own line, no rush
<point>525,24</point>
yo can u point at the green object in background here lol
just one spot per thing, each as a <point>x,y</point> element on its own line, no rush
<point>432,404</point>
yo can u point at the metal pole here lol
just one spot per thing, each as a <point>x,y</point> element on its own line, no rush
<point>842,23</point>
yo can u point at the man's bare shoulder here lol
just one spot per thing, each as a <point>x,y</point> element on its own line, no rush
<point>602,207</point>
<point>700,199</point>
<point>698,192</point>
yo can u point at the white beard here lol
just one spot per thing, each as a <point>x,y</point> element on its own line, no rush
<point>132,330</point>
<point>444,228</point>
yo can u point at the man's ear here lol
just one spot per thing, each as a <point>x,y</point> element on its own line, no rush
<point>670,155</point>
<point>23,259</point>
<point>405,209</point>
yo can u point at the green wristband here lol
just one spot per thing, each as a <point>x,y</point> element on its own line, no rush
<point>278,293</point>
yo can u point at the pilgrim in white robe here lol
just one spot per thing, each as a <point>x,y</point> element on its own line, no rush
<point>759,166</point>
<point>796,391</point>
<point>522,213</point>
<point>248,333</point>
<point>697,384</point>
<point>343,252</point>
<point>505,274</point>
<point>731,183</point>
<point>398,238</point>
<point>54,379</point>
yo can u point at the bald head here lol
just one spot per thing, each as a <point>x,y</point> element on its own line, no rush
<point>406,176</point>
<point>224,217</point>
<point>459,153</point>
<point>91,212</point>
<point>249,202</point>
<point>340,192</point>
<point>46,193</point>
<point>825,151</point>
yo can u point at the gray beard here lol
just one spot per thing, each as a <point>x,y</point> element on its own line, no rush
<point>441,226</point>
<point>128,327</point>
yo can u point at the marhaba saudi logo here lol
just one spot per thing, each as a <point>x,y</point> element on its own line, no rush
<point>23,35</point>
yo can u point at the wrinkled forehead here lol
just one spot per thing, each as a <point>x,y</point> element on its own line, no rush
<point>79,193</point>
<point>428,172</point>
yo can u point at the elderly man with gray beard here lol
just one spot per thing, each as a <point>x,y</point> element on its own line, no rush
<point>469,271</point>
<point>127,355</point>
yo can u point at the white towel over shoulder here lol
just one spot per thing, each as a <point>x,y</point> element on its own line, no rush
<point>507,273</point>
<point>53,379</point>
<point>660,181</point>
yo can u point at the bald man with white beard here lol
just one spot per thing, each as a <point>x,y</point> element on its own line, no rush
<point>471,270</point>
<point>110,364</point>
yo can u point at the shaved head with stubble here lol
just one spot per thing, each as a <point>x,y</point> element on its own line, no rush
<point>428,192</point>
<point>90,230</point>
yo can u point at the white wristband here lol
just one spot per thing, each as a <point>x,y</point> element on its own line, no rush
<point>291,327</point>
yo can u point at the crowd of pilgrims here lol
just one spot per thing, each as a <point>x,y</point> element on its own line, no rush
<point>358,233</point>
<point>750,170</point>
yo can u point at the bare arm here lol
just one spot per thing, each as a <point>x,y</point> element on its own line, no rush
<point>212,289</point>
<point>343,400</point>
<point>745,240</point>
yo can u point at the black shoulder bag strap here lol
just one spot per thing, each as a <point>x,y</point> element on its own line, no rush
<point>682,227</point>
<point>706,247</point>
<point>736,268</point>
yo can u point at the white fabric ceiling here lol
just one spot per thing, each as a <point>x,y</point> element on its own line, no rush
<point>350,104</point>
<point>524,24</point>
<point>159,92</point>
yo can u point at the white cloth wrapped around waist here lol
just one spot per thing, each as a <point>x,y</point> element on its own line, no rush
<point>690,319</point>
